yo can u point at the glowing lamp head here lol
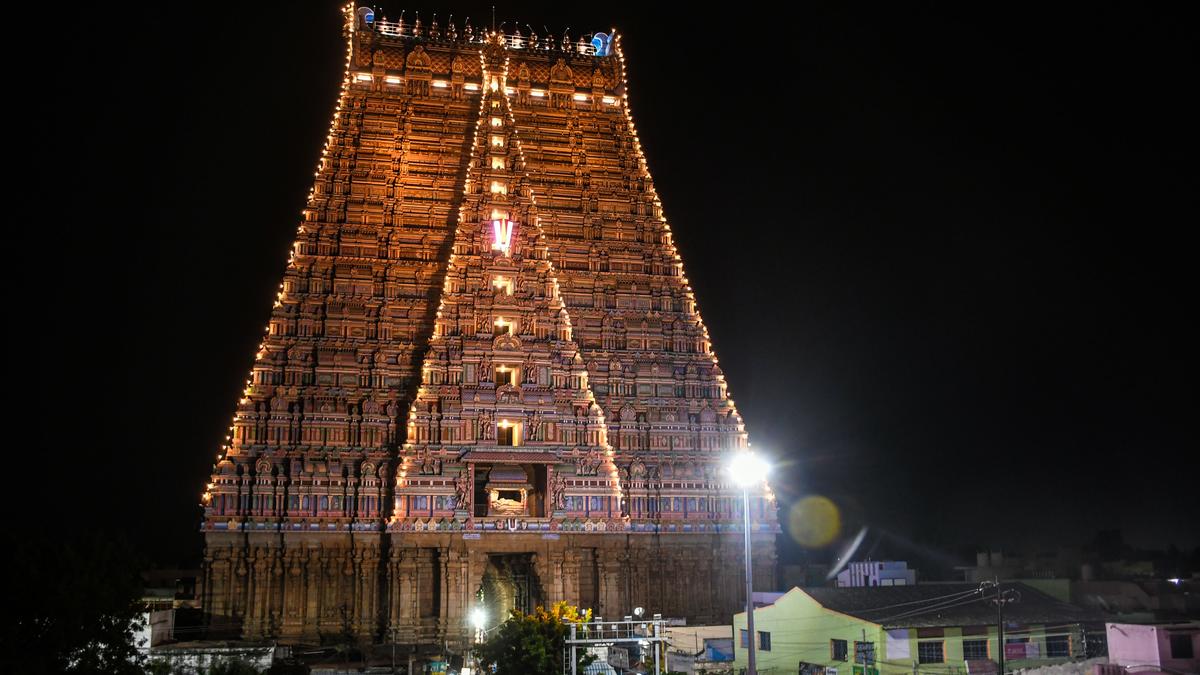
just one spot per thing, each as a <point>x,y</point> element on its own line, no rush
<point>748,469</point>
<point>478,616</point>
<point>638,612</point>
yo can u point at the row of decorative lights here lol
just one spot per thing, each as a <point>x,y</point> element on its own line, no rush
<point>402,471</point>
<point>261,352</point>
<point>637,144</point>
<point>347,81</point>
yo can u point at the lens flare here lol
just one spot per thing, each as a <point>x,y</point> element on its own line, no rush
<point>814,522</point>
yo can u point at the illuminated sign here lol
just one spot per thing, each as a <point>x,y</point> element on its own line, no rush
<point>502,231</point>
<point>601,43</point>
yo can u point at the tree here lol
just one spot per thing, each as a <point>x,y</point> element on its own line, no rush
<point>77,605</point>
<point>533,644</point>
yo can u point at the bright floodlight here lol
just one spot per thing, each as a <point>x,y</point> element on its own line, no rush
<point>748,469</point>
<point>638,612</point>
<point>478,617</point>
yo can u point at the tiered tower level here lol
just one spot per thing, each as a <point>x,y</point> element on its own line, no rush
<point>485,380</point>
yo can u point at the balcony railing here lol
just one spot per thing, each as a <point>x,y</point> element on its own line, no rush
<point>398,29</point>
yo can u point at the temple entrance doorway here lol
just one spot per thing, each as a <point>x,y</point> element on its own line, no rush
<point>509,582</point>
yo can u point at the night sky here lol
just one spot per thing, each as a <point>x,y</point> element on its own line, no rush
<point>942,252</point>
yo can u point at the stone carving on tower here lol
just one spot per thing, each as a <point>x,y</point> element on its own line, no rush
<point>504,398</point>
<point>484,364</point>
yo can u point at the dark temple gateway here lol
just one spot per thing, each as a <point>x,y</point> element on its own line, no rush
<point>485,381</point>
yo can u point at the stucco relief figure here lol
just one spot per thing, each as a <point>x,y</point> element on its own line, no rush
<point>462,490</point>
<point>533,427</point>
<point>561,73</point>
<point>558,491</point>
<point>486,429</point>
<point>637,470</point>
<point>418,60</point>
<point>430,465</point>
<point>588,465</point>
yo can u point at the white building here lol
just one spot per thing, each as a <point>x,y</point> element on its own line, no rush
<point>876,573</point>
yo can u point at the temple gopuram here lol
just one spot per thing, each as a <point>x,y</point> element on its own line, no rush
<point>485,381</point>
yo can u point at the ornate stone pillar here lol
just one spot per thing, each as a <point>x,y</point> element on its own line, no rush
<point>570,576</point>
<point>556,585</point>
<point>457,597</point>
<point>293,616</point>
<point>395,554</point>
<point>611,584</point>
<point>408,615</point>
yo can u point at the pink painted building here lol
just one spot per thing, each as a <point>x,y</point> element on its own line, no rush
<point>1170,649</point>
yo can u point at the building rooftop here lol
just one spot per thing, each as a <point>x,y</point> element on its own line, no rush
<point>931,605</point>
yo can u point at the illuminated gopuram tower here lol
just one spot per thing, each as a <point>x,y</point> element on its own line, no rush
<point>485,381</point>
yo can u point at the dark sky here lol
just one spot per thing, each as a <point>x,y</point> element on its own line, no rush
<point>942,251</point>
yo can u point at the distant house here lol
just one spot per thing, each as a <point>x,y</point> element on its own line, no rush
<point>877,573</point>
<point>934,628</point>
<point>1173,648</point>
<point>696,649</point>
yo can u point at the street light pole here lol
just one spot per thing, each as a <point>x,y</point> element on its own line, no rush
<point>748,470</point>
<point>750,669</point>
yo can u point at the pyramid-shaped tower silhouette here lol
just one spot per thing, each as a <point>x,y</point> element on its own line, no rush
<point>484,378</point>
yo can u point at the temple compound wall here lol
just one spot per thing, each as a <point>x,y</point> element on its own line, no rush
<point>485,381</point>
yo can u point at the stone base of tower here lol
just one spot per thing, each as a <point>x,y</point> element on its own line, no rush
<point>417,589</point>
<point>294,587</point>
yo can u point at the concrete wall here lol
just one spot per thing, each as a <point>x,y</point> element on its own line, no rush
<point>1132,645</point>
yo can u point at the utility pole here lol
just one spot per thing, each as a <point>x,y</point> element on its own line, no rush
<point>750,665</point>
<point>1000,624</point>
<point>1002,597</point>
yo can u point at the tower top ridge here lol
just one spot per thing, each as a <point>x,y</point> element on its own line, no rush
<point>516,35</point>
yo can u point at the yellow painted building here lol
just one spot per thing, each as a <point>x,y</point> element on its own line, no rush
<point>927,628</point>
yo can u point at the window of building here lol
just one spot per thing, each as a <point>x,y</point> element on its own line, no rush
<point>1016,640</point>
<point>501,327</point>
<point>745,638</point>
<point>1181,646</point>
<point>501,283</point>
<point>1058,646</point>
<point>504,375</point>
<point>930,652</point>
<point>507,433</point>
<point>864,652</point>
<point>837,650</point>
<point>764,641</point>
<point>497,141</point>
<point>975,649</point>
